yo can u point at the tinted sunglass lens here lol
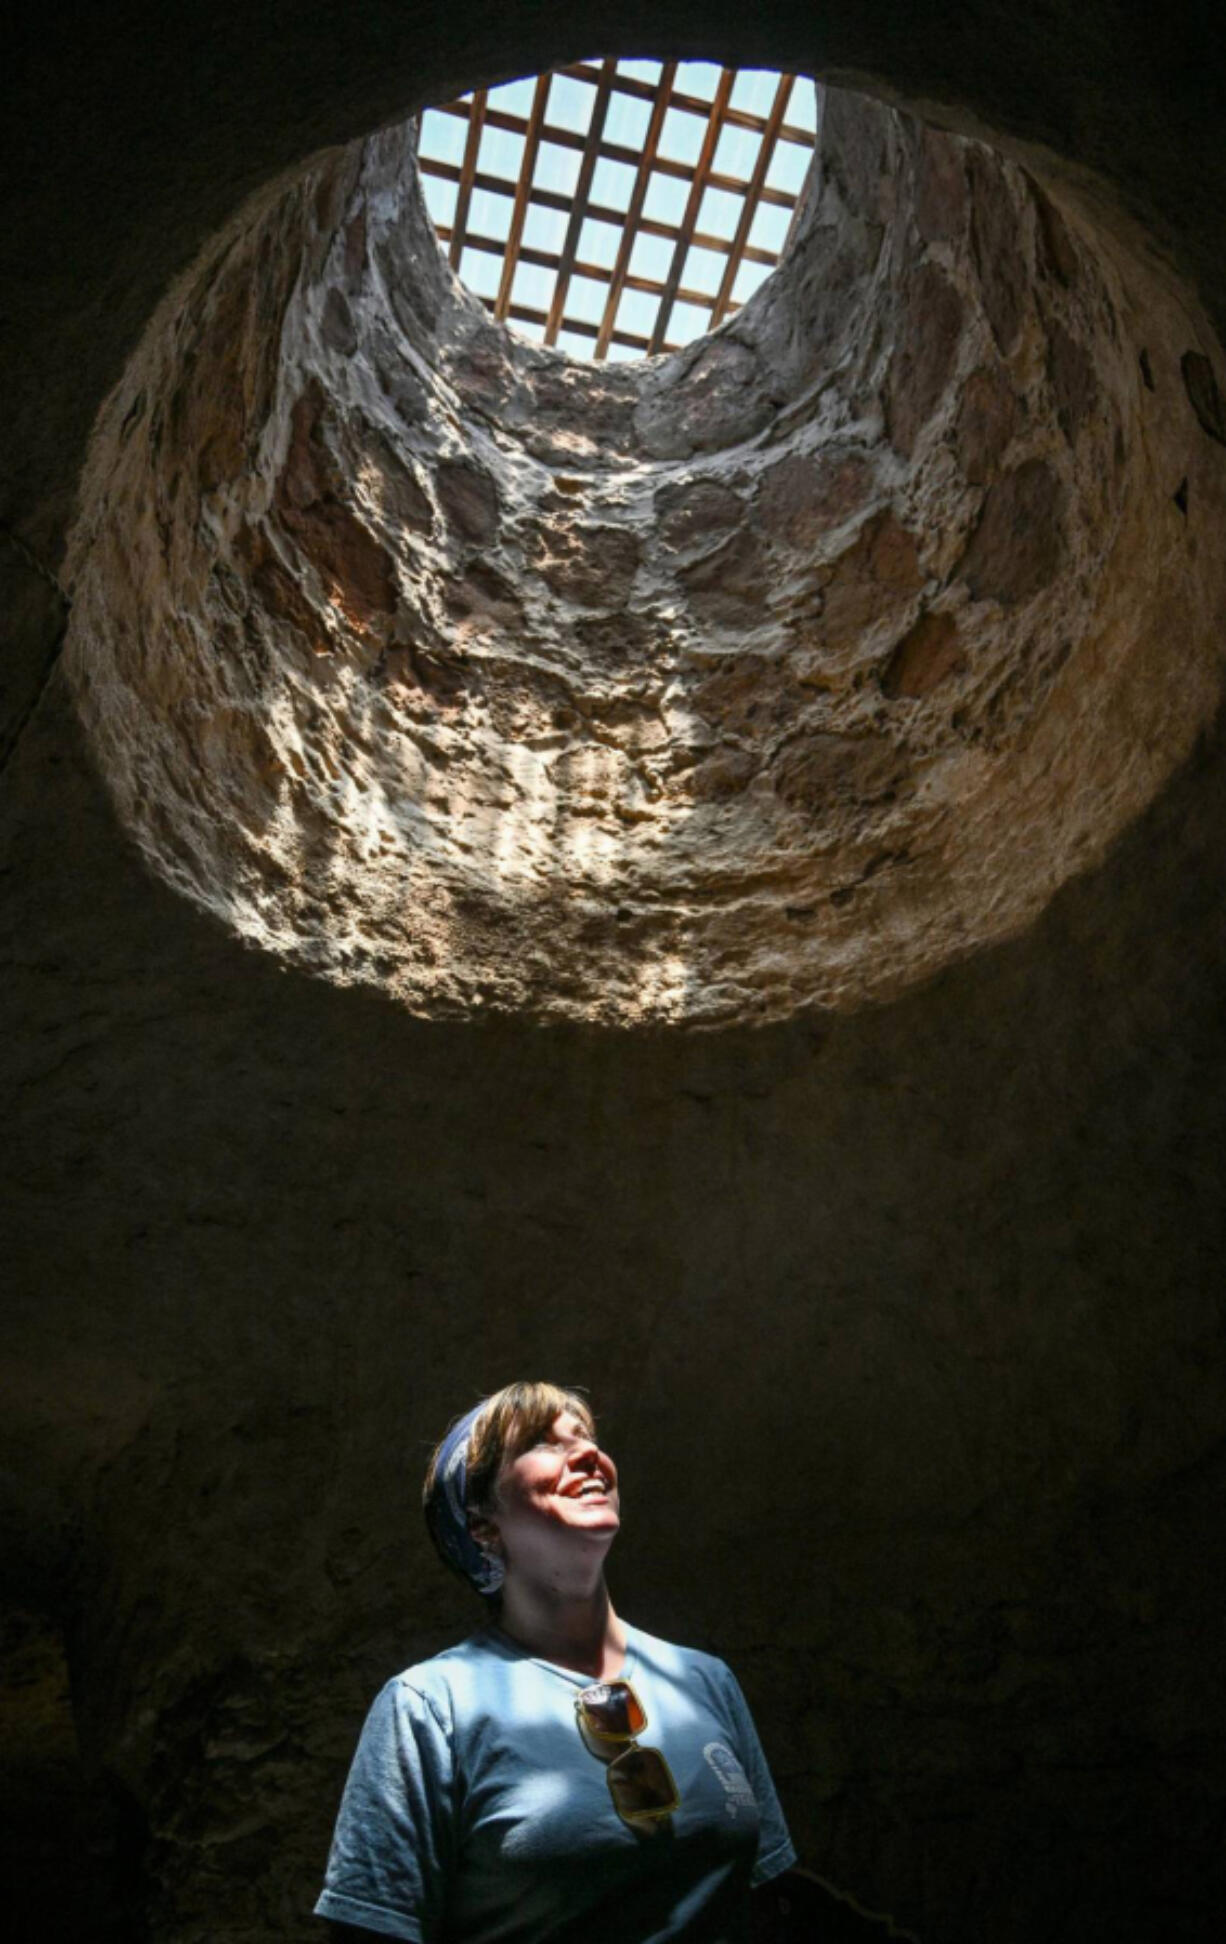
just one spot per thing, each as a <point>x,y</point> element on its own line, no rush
<point>613,1708</point>
<point>641,1784</point>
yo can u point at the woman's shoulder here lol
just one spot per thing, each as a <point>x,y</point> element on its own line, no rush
<point>454,1676</point>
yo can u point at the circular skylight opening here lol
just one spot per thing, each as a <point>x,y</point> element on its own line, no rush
<point>615,209</point>
<point>706,690</point>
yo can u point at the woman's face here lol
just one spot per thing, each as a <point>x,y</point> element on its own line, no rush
<point>557,1497</point>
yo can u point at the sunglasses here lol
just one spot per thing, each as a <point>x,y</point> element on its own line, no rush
<point>611,1718</point>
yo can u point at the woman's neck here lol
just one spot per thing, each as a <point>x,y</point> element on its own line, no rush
<point>576,1630</point>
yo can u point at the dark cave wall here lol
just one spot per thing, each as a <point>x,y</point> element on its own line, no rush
<point>906,1330</point>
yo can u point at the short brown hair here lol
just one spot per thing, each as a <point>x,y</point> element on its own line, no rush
<point>511,1420</point>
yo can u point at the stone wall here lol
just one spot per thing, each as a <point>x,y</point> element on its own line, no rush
<point>904,1321</point>
<point>772,674</point>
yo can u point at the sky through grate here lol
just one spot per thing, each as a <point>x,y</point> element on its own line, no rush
<point>622,207</point>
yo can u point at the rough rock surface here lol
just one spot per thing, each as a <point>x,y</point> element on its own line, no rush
<point>906,1326</point>
<point>434,661</point>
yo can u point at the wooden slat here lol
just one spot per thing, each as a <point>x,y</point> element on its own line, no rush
<point>618,152</point>
<point>689,221</point>
<point>472,144</point>
<point>692,104</point>
<point>524,314</point>
<point>548,199</point>
<point>595,272</point>
<point>583,189</point>
<point>566,264</point>
<point>755,195</point>
<point>520,314</point>
<point>532,142</point>
<point>561,137</point>
<point>634,210</point>
<point>648,225</point>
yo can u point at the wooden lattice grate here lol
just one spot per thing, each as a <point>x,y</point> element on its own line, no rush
<point>622,207</point>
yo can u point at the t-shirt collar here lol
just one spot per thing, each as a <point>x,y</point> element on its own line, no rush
<point>510,1649</point>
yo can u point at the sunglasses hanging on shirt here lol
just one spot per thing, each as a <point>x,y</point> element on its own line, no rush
<point>611,1718</point>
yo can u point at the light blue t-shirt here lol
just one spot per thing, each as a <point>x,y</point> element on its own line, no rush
<point>474,1813</point>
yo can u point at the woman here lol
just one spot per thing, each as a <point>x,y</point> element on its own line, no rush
<point>559,1775</point>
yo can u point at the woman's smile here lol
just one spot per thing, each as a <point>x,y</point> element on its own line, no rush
<point>565,1464</point>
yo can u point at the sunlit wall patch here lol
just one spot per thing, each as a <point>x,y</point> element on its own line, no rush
<point>619,208</point>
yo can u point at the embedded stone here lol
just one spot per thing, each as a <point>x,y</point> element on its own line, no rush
<point>858,157</point>
<point>222,451</point>
<point>336,324</point>
<point>581,411</point>
<point>727,773</point>
<point>925,657</point>
<point>591,565</point>
<point>400,494</point>
<point>408,501</point>
<point>817,770</point>
<point>804,495</point>
<point>355,250</point>
<point>486,595</point>
<point>996,241</point>
<point>611,640</point>
<point>211,425</point>
<point>479,365</point>
<point>307,472</point>
<point>988,417</point>
<point>356,573</point>
<point>929,330</point>
<point>727,586</point>
<point>279,597</point>
<point>1204,394</point>
<point>695,515</point>
<point>406,390</point>
<point>704,401</point>
<point>468,497</point>
<point>750,696</point>
<point>1072,379</point>
<point>940,185</point>
<point>1057,251</point>
<point>430,676</point>
<point>880,567</point>
<point>1018,547</point>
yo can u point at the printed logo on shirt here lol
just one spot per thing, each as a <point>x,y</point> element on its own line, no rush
<point>732,1775</point>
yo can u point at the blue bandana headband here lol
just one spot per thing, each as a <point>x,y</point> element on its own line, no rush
<point>449,1513</point>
